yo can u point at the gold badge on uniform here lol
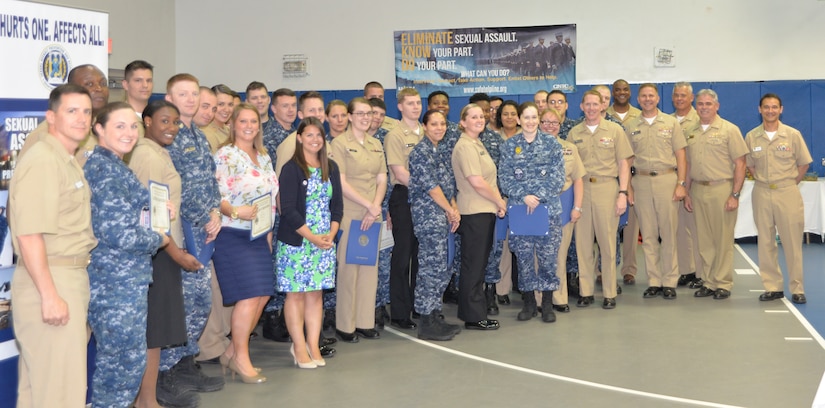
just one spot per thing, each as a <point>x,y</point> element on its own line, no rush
<point>518,149</point>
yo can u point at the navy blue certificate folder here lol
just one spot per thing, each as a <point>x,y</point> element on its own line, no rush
<point>189,242</point>
<point>501,228</point>
<point>566,199</point>
<point>537,223</point>
<point>362,246</point>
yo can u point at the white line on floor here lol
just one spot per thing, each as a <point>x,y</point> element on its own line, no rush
<point>798,339</point>
<point>558,377</point>
<point>777,311</point>
<point>805,323</point>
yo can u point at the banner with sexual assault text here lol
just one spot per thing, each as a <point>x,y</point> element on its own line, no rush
<point>497,61</point>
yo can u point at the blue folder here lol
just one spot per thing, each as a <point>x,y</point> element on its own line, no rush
<point>535,224</point>
<point>566,198</point>
<point>450,248</point>
<point>362,246</point>
<point>206,251</point>
<point>623,217</point>
<point>501,228</point>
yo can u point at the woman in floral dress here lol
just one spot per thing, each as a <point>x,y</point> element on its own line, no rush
<point>311,211</point>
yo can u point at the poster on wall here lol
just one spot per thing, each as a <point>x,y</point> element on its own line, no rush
<point>497,61</point>
<point>47,42</point>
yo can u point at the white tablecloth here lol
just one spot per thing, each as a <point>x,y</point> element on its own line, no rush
<point>813,195</point>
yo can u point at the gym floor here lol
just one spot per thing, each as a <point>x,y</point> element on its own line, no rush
<point>738,352</point>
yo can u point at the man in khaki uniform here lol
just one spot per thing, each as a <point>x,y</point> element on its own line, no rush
<point>687,241</point>
<point>716,172</point>
<point>658,187</point>
<point>398,144</point>
<point>623,111</point>
<point>51,221</point>
<point>92,78</point>
<point>605,153</point>
<point>778,160</point>
<point>374,89</point>
<point>310,104</point>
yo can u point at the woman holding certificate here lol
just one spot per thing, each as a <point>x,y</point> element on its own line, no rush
<point>479,201</point>
<point>363,168</point>
<point>121,265</point>
<point>311,211</point>
<point>166,321</point>
<point>243,248</point>
<point>532,176</point>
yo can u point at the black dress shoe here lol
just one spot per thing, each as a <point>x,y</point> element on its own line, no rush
<point>799,298</point>
<point>652,292</point>
<point>327,351</point>
<point>721,294</point>
<point>328,341</point>
<point>503,299</point>
<point>609,303</point>
<point>585,301</point>
<point>685,280</point>
<point>348,337</point>
<point>216,360</point>
<point>669,293</point>
<point>371,334</point>
<point>629,279</point>
<point>561,308</point>
<point>704,291</point>
<point>696,284</point>
<point>486,324</point>
<point>771,296</point>
<point>403,323</point>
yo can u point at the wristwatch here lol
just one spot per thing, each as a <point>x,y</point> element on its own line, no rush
<point>682,183</point>
<point>623,192</point>
<point>735,195</point>
<point>234,214</point>
<point>579,209</point>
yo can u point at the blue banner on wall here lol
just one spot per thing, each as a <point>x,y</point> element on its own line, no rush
<point>497,61</point>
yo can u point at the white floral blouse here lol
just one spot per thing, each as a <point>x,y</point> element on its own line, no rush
<point>241,181</point>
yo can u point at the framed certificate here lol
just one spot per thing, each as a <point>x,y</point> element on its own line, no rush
<point>262,223</point>
<point>158,212</point>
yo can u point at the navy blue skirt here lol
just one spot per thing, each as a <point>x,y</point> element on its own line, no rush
<point>244,267</point>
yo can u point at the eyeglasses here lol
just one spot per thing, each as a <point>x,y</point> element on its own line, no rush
<point>556,102</point>
<point>362,114</point>
<point>550,123</point>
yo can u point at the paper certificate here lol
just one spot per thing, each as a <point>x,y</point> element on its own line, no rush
<point>158,212</point>
<point>262,223</point>
<point>387,240</point>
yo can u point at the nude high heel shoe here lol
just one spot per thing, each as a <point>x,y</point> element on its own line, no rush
<point>255,379</point>
<point>319,363</point>
<point>224,360</point>
<point>310,364</point>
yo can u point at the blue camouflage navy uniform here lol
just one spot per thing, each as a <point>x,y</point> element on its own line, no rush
<point>493,141</point>
<point>565,126</point>
<point>193,160</point>
<point>273,135</point>
<point>430,168</point>
<point>119,276</point>
<point>382,295</point>
<point>537,169</point>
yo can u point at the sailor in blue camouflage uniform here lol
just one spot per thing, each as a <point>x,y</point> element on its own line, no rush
<point>284,107</point>
<point>121,265</point>
<point>532,173</point>
<point>200,214</point>
<point>434,215</point>
<point>382,294</point>
<point>451,293</point>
